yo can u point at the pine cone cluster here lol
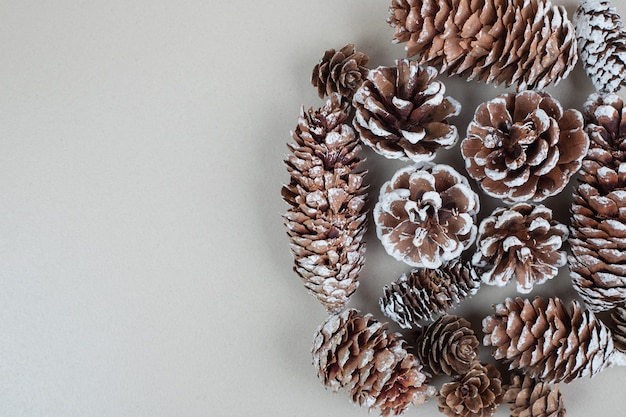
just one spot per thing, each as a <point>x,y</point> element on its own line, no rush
<point>402,112</point>
<point>326,221</point>
<point>542,339</point>
<point>424,294</point>
<point>521,242</point>
<point>530,398</point>
<point>601,43</point>
<point>525,42</point>
<point>598,220</point>
<point>524,146</point>
<point>425,215</point>
<point>354,352</point>
<point>341,71</point>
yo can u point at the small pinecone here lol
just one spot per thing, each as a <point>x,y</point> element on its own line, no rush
<point>521,242</point>
<point>425,294</point>
<point>523,146</point>
<point>401,112</point>
<point>525,42</point>
<point>354,352</point>
<point>618,327</point>
<point>326,221</point>
<point>447,346</point>
<point>340,72</point>
<point>601,43</point>
<point>542,339</point>
<point>530,398</point>
<point>425,215</point>
<point>598,215</point>
<point>475,394</point>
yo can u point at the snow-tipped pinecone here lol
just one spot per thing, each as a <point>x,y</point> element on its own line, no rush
<point>618,327</point>
<point>341,71</point>
<point>528,397</point>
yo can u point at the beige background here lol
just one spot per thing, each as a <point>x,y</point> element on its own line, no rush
<point>144,267</point>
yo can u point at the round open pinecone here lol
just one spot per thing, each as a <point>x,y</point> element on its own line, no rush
<point>475,394</point>
<point>523,146</point>
<point>401,112</point>
<point>522,243</point>
<point>528,397</point>
<point>425,215</point>
<point>340,71</point>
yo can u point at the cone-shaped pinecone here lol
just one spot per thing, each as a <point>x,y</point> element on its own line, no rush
<point>475,394</point>
<point>425,215</point>
<point>447,346</point>
<point>326,221</point>
<point>523,146</point>
<point>425,294</point>
<point>522,243</point>
<point>542,339</point>
<point>340,71</point>
<point>354,352</point>
<point>598,222</point>
<point>530,398</point>
<point>402,112</point>
<point>602,44</point>
<point>618,327</point>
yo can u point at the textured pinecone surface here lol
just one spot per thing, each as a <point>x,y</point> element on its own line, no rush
<point>424,294</point>
<point>530,398</point>
<point>520,243</point>
<point>425,215</point>
<point>326,221</point>
<point>528,43</point>
<point>618,327</point>
<point>524,146</point>
<point>341,71</point>
<point>354,352</point>
<point>402,112</point>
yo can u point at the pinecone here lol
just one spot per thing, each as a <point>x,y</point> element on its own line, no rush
<point>598,221</point>
<point>326,221</point>
<point>601,43</point>
<point>340,72</point>
<point>475,394</point>
<point>526,42</point>
<point>618,327</point>
<point>425,294</point>
<point>523,146</point>
<point>530,398</point>
<point>520,242</point>
<point>541,338</point>
<point>355,353</point>
<point>447,346</point>
<point>401,112</point>
<point>425,215</point>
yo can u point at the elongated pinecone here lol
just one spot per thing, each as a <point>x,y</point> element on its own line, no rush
<point>425,294</point>
<point>530,398</point>
<point>354,352</point>
<point>598,220</point>
<point>402,112</point>
<point>425,215</point>
<point>524,146</point>
<point>447,346</point>
<point>542,339</point>
<point>522,243</point>
<point>601,43</point>
<point>525,42</point>
<point>340,71</point>
<point>475,394</point>
<point>618,327</point>
<point>326,221</point>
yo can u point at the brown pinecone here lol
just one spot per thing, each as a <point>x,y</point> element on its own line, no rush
<point>401,112</point>
<point>601,43</point>
<point>354,352</point>
<point>541,338</point>
<point>521,242</point>
<point>475,394</point>
<point>326,221</point>
<point>618,327</point>
<point>528,43</point>
<point>447,346</point>
<point>340,71</point>
<point>523,146</point>
<point>425,294</point>
<point>425,215</point>
<point>598,221</point>
<point>530,398</point>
